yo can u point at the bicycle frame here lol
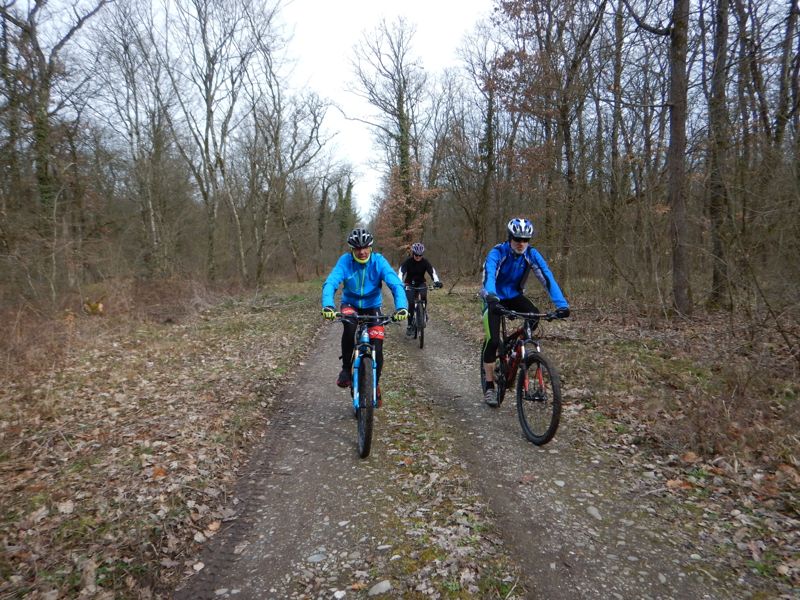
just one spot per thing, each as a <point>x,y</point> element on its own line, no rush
<point>364,347</point>
<point>514,346</point>
<point>417,289</point>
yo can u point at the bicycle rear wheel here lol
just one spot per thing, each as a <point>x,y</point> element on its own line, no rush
<point>538,399</point>
<point>365,409</point>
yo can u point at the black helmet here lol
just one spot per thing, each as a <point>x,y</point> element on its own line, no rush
<point>359,238</point>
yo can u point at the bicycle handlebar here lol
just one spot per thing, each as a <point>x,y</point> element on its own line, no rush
<point>374,319</point>
<point>420,287</point>
<point>513,314</point>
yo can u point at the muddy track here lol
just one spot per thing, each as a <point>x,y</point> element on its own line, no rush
<point>452,502</point>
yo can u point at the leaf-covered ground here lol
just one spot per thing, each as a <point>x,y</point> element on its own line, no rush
<point>707,408</point>
<point>115,464</point>
<point>117,461</point>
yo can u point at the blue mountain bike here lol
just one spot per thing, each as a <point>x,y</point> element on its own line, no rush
<point>363,378</point>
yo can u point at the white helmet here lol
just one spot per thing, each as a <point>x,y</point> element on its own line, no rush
<point>520,228</point>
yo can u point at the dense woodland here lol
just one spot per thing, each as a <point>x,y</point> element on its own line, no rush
<point>655,145</point>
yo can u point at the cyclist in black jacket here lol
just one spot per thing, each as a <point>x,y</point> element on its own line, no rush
<point>412,272</point>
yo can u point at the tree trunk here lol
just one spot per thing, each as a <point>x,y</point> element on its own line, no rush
<point>718,150</point>
<point>679,226</point>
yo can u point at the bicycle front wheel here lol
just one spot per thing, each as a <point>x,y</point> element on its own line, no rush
<point>365,407</point>
<point>538,399</point>
<point>420,318</point>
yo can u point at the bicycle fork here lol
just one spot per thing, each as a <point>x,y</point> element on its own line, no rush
<point>364,349</point>
<point>538,375</point>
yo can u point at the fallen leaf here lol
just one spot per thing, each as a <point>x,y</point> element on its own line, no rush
<point>690,457</point>
<point>214,526</point>
<point>159,472</point>
<point>678,484</point>
<point>358,585</point>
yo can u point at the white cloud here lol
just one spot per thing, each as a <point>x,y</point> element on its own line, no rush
<point>325,32</point>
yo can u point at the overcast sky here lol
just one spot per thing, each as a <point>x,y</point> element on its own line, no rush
<point>325,32</point>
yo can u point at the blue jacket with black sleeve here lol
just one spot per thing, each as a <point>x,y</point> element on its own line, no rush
<point>506,272</point>
<point>361,283</point>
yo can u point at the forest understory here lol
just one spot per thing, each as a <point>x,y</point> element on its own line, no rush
<point>124,428</point>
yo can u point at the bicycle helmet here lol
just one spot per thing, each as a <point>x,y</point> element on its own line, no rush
<point>520,228</point>
<point>417,248</point>
<point>360,238</point>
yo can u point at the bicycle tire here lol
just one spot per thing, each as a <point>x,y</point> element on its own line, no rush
<point>421,324</point>
<point>365,406</point>
<point>538,399</point>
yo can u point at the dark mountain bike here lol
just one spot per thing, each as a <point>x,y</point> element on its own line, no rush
<point>538,387</point>
<point>418,318</point>
<point>363,377</point>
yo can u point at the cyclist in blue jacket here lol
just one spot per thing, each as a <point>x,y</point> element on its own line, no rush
<point>505,272</point>
<point>361,272</point>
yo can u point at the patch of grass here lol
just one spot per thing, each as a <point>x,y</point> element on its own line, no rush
<point>766,566</point>
<point>78,528</point>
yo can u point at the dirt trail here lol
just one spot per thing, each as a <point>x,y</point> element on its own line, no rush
<point>573,514</point>
<point>569,520</point>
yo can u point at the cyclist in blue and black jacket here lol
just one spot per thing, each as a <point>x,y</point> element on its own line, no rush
<point>361,272</point>
<point>505,272</point>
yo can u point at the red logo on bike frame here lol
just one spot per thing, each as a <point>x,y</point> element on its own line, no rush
<point>376,333</point>
<point>348,310</point>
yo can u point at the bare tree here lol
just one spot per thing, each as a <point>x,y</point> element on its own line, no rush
<point>677,30</point>
<point>394,83</point>
<point>718,156</point>
<point>43,69</point>
<point>206,48</point>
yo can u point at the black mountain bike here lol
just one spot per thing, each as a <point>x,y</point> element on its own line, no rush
<point>538,387</point>
<point>363,376</point>
<point>418,318</point>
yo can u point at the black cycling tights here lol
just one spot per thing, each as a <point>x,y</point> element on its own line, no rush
<point>349,341</point>
<point>520,304</point>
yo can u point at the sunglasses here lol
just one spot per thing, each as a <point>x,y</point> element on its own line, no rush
<point>519,239</point>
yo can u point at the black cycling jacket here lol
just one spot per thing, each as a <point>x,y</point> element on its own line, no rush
<point>412,272</point>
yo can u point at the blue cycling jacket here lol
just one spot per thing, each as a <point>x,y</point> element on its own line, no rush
<point>362,283</point>
<point>505,274</point>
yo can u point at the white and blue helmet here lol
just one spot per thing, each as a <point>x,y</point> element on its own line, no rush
<point>520,228</point>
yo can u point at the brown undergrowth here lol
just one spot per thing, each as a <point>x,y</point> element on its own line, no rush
<point>119,447</point>
<point>121,433</point>
<point>713,397</point>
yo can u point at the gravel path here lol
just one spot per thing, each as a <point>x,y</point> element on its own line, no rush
<point>453,502</point>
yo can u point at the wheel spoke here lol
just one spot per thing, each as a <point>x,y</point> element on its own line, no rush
<point>538,400</point>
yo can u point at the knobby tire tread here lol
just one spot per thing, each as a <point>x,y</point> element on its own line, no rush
<point>365,407</point>
<point>525,407</point>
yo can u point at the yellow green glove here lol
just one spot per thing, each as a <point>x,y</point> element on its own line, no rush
<point>328,313</point>
<point>400,315</point>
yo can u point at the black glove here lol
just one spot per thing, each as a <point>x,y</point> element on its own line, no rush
<point>493,304</point>
<point>562,313</point>
<point>438,284</point>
